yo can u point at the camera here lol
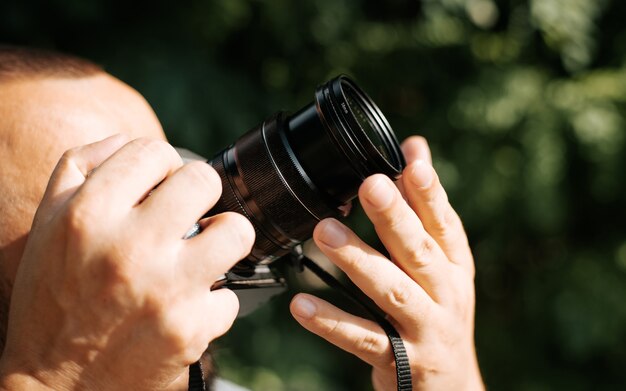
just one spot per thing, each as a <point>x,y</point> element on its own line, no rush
<point>291,171</point>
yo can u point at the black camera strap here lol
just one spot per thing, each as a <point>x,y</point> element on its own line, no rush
<point>403,368</point>
<point>196,377</point>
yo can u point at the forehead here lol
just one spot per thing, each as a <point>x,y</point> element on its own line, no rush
<point>42,118</point>
<point>84,108</point>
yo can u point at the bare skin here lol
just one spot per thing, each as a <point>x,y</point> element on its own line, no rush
<point>106,310</point>
<point>109,292</point>
<point>43,118</point>
<point>427,288</point>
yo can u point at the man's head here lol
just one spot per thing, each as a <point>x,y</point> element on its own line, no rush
<point>49,103</point>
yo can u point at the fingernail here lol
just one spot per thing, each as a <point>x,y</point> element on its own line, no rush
<point>304,308</point>
<point>333,235</point>
<point>381,194</point>
<point>421,174</point>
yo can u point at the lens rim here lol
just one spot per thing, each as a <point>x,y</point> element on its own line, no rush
<point>340,119</point>
<point>377,119</point>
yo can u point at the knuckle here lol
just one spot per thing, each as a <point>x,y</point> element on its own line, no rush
<point>422,254</point>
<point>151,144</point>
<point>240,228</point>
<point>370,344</point>
<point>68,160</point>
<point>160,148</point>
<point>450,218</point>
<point>331,328</point>
<point>116,271</point>
<point>80,217</point>
<point>147,144</point>
<point>445,222</point>
<point>204,175</point>
<point>399,296</point>
<point>425,371</point>
<point>70,156</point>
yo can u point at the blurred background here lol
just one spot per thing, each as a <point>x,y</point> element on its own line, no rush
<point>523,103</point>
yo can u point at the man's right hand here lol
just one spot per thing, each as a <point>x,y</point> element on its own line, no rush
<point>108,295</point>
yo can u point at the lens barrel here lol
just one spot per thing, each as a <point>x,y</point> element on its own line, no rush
<point>288,173</point>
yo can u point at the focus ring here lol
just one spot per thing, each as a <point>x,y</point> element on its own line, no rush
<point>263,180</point>
<point>230,201</point>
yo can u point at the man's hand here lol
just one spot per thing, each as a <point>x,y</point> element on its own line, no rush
<point>427,289</point>
<point>108,294</point>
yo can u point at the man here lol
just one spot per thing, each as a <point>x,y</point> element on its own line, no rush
<point>104,292</point>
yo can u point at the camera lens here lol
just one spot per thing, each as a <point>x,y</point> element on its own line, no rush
<point>359,107</point>
<point>290,172</point>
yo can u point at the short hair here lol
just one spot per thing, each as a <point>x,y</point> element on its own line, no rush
<point>24,63</point>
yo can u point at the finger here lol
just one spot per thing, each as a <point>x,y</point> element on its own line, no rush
<point>130,173</point>
<point>416,148</point>
<point>220,313</point>
<point>226,239</point>
<point>361,337</point>
<point>403,234</point>
<point>189,325</point>
<point>429,200</point>
<point>381,280</point>
<point>413,148</point>
<point>74,166</point>
<point>183,198</point>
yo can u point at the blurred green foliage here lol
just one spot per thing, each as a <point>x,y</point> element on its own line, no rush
<point>523,104</point>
